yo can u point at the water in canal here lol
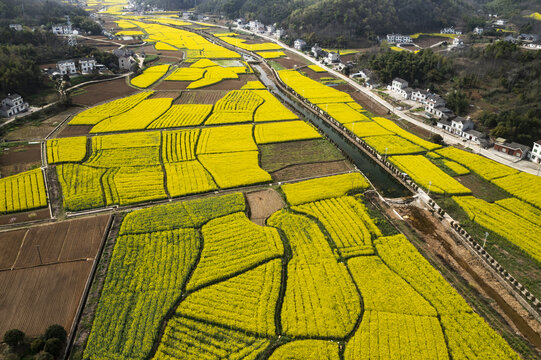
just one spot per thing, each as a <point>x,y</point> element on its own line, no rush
<point>386,184</point>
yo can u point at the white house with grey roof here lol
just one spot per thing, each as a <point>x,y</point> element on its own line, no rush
<point>12,105</point>
<point>66,67</point>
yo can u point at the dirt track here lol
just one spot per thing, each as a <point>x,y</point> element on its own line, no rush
<point>439,242</point>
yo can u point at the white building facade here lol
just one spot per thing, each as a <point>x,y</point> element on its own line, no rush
<point>12,105</point>
<point>399,39</point>
<point>87,65</point>
<point>66,67</point>
<point>535,154</point>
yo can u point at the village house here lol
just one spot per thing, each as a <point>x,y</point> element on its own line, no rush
<point>16,27</point>
<point>477,137</point>
<point>514,149</point>
<point>333,57</point>
<point>478,30</point>
<point>528,37</point>
<point>420,96</point>
<point>60,29</point>
<point>399,39</point>
<point>279,33</point>
<point>435,105</point>
<point>450,30</point>
<point>535,154</point>
<point>299,44</point>
<point>458,42</point>
<point>455,126</point>
<point>535,46</point>
<point>500,22</point>
<point>125,62</point>
<point>270,29</point>
<point>87,65</point>
<point>12,105</point>
<point>400,86</point>
<point>317,51</point>
<point>66,67</point>
<point>364,74</point>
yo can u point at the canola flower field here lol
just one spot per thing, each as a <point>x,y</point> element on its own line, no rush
<point>236,290</point>
<point>319,281</point>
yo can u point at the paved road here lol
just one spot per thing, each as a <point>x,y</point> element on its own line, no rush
<point>526,166</point>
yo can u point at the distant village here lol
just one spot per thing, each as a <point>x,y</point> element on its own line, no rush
<point>433,104</point>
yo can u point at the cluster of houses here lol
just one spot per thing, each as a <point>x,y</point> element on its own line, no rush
<point>260,28</point>
<point>12,105</point>
<point>434,106</point>
<point>77,66</point>
<point>531,41</point>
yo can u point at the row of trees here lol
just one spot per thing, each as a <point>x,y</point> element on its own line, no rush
<point>48,346</point>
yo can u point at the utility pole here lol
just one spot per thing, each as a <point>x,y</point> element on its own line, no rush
<point>429,185</point>
<point>485,241</point>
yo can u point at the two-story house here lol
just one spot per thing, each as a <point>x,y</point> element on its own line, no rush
<point>435,105</point>
<point>420,96</point>
<point>87,65</point>
<point>478,31</point>
<point>535,154</point>
<point>61,29</point>
<point>125,62</point>
<point>66,67</point>
<point>12,105</point>
<point>299,44</point>
<point>401,87</point>
<point>459,125</point>
<point>399,39</point>
<point>450,30</point>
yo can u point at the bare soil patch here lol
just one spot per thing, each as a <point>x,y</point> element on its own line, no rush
<point>428,41</point>
<point>74,130</point>
<point>107,90</point>
<point>289,62</point>
<point>10,243</point>
<point>165,94</point>
<point>366,102</point>
<point>38,130</point>
<point>35,298</point>
<point>281,155</point>
<point>20,158</point>
<point>38,295</point>
<point>32,215</point>
<point>170,85</point>
<point>263,204</point>
<point>304,171</point>
<point>63,241</point>
<point>150,49</point>
<point>201,97</point>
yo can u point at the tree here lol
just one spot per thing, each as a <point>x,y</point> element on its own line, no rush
<point>53,346</point>
<point>437,139</point>
<point>44,356</point>
<point>56,331</point>
<point>37,345</point>
<point>457,102</point>
<point>13,337</point>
